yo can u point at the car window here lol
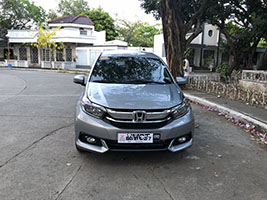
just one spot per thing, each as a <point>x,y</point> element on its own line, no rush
<point>130,70</point>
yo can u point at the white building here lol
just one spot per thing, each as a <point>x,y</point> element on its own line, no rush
<point>203,48</point>
<point>204,52</point>
<point>75,31</point>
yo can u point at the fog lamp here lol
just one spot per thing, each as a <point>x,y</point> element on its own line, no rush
<point>182,139</point>
<point>90,140</point>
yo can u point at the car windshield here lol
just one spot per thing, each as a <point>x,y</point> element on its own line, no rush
<point>130,70</point>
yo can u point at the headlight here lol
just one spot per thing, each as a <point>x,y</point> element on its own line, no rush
<point>92,109</point>
<point>180,110</point>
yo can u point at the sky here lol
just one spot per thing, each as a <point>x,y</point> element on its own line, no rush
<point>124,9</point>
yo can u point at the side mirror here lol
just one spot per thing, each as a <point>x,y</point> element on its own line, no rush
<point>182,80</point>
<point>79,79</point>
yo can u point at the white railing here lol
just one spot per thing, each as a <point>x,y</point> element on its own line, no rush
<point>58,65</point>
<point>17,63</point>
<point>256,76</point>
<point>45,64</point>
<point>69,65</point>
<point>2,63</point>
<point>204,77</point>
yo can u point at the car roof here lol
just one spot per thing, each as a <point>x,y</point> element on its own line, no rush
<point>128,53</point>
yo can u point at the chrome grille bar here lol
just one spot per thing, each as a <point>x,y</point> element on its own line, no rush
<point>128,116</point>
<point>144,122</point>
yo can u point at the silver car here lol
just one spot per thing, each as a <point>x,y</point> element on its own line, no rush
<point>131,102</point>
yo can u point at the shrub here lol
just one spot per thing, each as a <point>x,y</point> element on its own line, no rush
<point>223,69</point>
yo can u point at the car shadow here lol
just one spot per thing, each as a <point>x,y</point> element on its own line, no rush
<point>145,159</point>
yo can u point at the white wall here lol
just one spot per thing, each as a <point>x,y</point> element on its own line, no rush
<point>158,45</point>
<point>197,57</point>
<point>214,38</point>
<point>66,35</point>
<point>22,36</point>
<point>197,40</point>
<point>147,49</point>
<point>81,57</point>
<point>87,55</point>
<point>100,37</point>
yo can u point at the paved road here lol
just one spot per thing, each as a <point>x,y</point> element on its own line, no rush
<point>38,159</point>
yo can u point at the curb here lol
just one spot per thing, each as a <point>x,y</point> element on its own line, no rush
<point>78,71</point>
<point>229,111</point>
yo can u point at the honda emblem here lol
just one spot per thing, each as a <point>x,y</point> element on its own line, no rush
<point>139,116</point>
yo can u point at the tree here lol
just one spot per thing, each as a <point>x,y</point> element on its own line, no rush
<point>103,22</point>
<point>52,15</point>
<point>45,41</point>
<point>178,18</point>
<point>136,33</point>
<point>244,24</point>
<point>19,14</point>
<point>72,7</point>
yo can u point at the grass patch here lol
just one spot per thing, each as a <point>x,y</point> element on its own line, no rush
<point>74,71</point>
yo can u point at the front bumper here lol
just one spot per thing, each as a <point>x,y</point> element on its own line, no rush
<point>106,134</point>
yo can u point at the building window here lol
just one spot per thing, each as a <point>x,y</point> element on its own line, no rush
<point>34,55</point>
<point>22,53</point>
<point>83,32</point>
<point>68,54</point>
<point>208,57</point>
<point>191,57</point>
<point>59,55</point>
<point>45,54</point>
<point>11,53</point>
<point>210,33</point>
<point>209,54</point>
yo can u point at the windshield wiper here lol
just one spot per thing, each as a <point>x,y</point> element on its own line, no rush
<point>101,81</point>
<point>144,82</point>
<point>132,82</point>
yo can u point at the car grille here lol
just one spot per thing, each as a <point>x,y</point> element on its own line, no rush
<point>136,119</point>
<point>159,145</point>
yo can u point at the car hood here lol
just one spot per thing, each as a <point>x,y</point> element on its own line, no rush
<point>130,96</point>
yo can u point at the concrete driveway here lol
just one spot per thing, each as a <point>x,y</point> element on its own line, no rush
<point>38,159</point>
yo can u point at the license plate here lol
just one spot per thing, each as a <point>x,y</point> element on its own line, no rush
<point>135,137</point>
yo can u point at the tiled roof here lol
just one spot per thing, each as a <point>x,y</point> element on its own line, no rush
<point>85,20</point>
